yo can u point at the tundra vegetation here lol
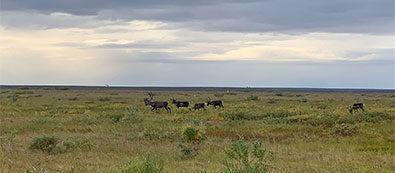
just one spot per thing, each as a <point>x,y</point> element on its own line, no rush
<point>111,130</point>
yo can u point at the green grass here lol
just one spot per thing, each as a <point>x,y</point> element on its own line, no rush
<point>102,130</point>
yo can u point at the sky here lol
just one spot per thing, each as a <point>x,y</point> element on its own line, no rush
<point>227,43</point>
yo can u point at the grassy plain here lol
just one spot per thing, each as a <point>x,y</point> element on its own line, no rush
<point>305,131</point>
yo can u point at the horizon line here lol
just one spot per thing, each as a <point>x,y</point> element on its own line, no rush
<point>188,86</point>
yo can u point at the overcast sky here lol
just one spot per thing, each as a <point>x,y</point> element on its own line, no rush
<point>258,43</point>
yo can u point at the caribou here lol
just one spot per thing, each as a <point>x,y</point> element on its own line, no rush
<point>157,104</point>
<point>215,103</point>
<point>357,106</point>
<point>198,106</point>
<point>180,103</point>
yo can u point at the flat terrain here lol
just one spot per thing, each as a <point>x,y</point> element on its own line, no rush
<point>104,129</point>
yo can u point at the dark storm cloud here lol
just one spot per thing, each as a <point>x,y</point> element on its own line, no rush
<point>90,7</point>
<point>291,16</point>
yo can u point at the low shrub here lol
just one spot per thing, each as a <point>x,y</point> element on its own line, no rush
<point>9,137</point>
<point>52,145</point>
<point>104,99</point>
<point>277,92</point>
<point>246,157</point>
<point>188,150</point>
<point>115,117</point>
<point>193,135</point>
<point>143,165</point>
<point>131,113</point>
<point>252,98</point>
<point>44,143</point>
<point>346,129</point>
<point>14,97</point>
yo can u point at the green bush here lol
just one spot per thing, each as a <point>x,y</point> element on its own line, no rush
<point>131,113</point>
<point>143,165</point>
<point>9,137</point>
<point>188,150</point>
<point>193,135</point>
<point>14,97</point>
<point>243,157</point>
<point>52,145</point>
<point>116,117</point>
<point>346,129</point>
<point>44,143</point>
<point>252,98</point>
<point>277,92</point>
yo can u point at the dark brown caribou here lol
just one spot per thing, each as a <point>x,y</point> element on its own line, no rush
<point>356,106</point>
<point>215,103</point>
<point>157,104</point>
<point>180,103</point>
<point>198,106</point>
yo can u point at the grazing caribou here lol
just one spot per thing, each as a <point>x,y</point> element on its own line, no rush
<point>157,105</point>
<point>198,106</point>
<point>180,103</point>
<point>215,103</point>
<point>357,106</point>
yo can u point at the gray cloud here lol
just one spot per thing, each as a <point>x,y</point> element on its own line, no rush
<point>144,45</point>
<point>152,60</point>
<point>290,16</point>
